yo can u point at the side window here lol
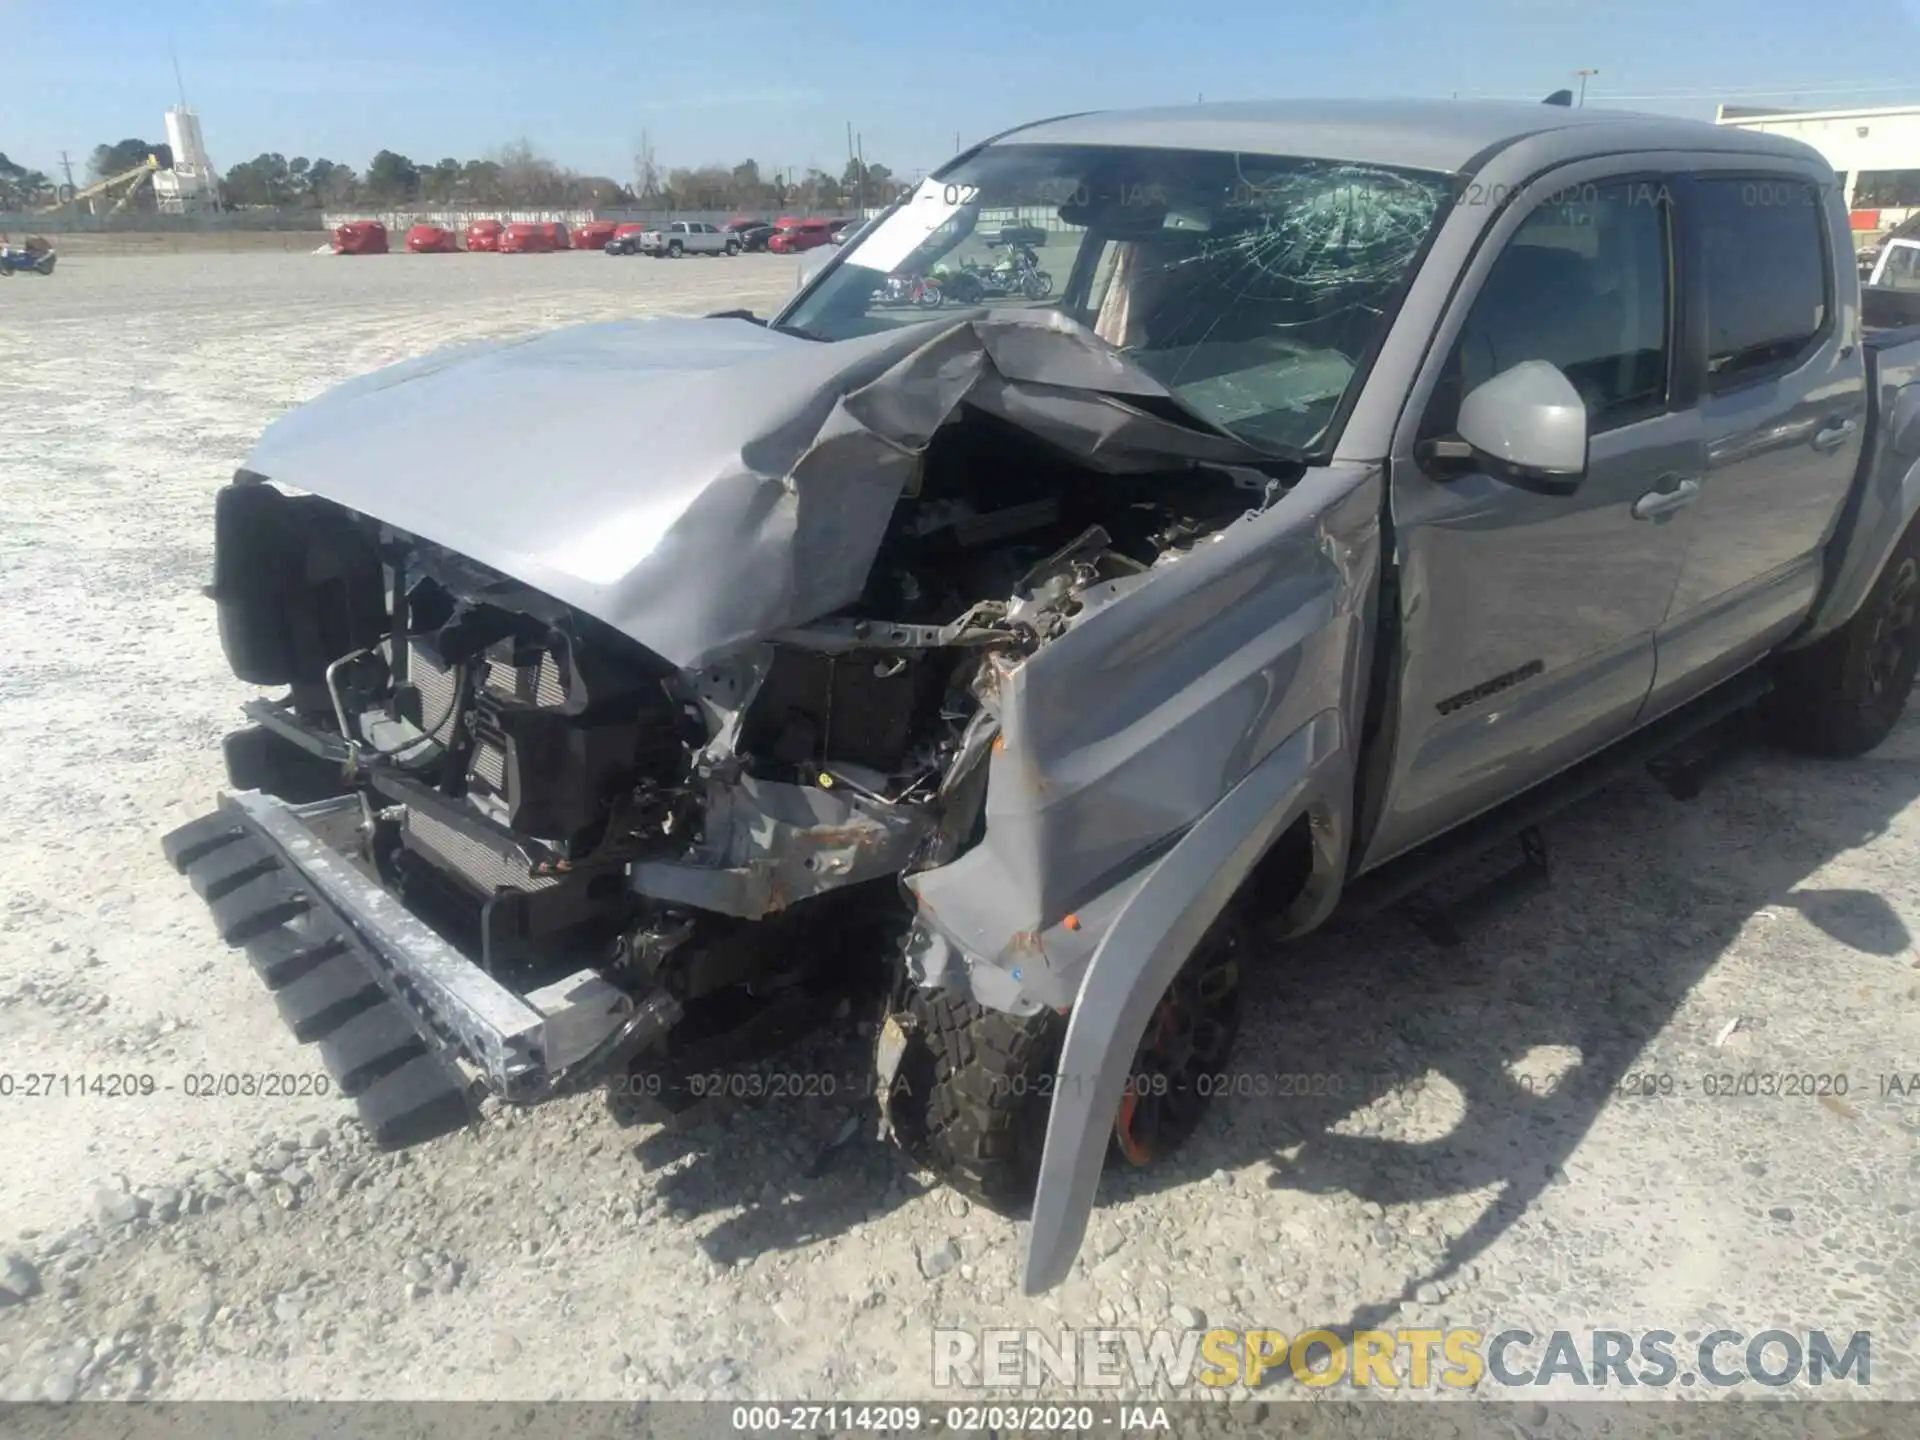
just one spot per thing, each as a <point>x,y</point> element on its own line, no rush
<point>1586,284</point>
<point>1887,189</point>
<point>1903,267</point>
<point>1764,257</point>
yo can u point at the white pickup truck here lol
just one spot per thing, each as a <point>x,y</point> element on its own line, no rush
<point>1898,264</point>
<point>689,237</point>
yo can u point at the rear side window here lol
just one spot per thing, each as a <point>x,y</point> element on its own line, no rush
<point>1764,264</point>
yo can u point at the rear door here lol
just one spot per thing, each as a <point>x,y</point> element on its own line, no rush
<point>1528,620</point>
<point>1783,416</point>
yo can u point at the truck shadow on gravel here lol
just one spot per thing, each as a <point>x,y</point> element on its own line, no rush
<point>1537,1023</point>
<point>1506,1047</point>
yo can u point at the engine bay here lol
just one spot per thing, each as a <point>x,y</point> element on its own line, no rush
<point>552,794</point>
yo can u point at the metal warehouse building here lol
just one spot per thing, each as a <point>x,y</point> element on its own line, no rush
<point>1876,153</point>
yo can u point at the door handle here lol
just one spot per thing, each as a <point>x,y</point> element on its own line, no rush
<point>1832,437</point>
<point>1675,493</point>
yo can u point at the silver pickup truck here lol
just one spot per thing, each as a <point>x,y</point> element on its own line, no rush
<point>688,237</point>
<point>1378,478</point>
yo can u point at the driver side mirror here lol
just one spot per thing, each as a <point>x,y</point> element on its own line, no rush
<point>1526,427</point>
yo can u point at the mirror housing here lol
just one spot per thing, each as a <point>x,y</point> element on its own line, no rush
<point>1527,427</point>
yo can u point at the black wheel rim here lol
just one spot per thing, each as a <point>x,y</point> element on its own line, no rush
<point>1892,641</point>
<point>1188,1038</point>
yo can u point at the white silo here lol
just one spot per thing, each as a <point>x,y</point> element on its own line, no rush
<point>192,183</point>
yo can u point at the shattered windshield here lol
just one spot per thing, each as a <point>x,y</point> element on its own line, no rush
<point>1254,287</point>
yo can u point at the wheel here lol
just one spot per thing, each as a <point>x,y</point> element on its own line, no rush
<point>674,249</point>
<point>733,247</point>
<point>1841,695</point>
<point>973,1091</point>
<point>1037,285</point>
<point>930,297</point>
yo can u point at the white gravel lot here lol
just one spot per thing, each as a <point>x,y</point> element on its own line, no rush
<point>1482,1164</point>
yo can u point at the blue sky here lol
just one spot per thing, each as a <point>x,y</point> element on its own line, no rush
<point>720,80</point>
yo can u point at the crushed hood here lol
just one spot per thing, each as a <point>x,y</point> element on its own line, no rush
<point>698,483</point>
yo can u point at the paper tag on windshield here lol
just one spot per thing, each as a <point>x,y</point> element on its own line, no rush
<point>935,203</point>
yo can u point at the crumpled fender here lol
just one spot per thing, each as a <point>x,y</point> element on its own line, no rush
<point>1311,772</point>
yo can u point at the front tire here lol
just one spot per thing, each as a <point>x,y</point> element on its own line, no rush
<point>974,1090</point>
<point>1843,694</point>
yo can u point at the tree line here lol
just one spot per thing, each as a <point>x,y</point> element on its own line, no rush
<point>513,176</point>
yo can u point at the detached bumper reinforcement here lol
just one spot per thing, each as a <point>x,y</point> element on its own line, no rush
<point>408,1027</point>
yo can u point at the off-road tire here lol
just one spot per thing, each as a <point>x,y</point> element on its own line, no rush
<point>1841,696</point>
<point>968,1102</point>
<point>974,1089</point>
<point>733,247</point>
<point>674,250</point>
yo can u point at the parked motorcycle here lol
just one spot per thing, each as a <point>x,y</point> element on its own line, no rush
<point>36,256</point>
<point>917,290</point>
<point>1017,272</point>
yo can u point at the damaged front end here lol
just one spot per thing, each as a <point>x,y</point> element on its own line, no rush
<point>489,839</point>
<point>935,660</point>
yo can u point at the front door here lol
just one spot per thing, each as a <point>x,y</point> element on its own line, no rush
<point>1528,620</point>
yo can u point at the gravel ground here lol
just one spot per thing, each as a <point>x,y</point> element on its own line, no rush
<point>1484,1161</point>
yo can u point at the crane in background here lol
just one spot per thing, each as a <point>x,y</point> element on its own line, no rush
<point>141,174</point>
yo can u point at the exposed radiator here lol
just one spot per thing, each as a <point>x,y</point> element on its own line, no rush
<point>435,684</point>
<point>524,684</point>
<point>538,684</point>
<point>489,765</point>
<point>482,866</point>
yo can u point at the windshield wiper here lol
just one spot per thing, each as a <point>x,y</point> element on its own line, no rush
<point>801,331</point>
<point>1176,411</point>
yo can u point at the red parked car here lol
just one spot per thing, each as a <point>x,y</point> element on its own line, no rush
<point>431,240</point>
<point>594,235</point>
<point>790,238</point>
<point>530,238</point>
<point>561,240</point>
<point>360,237</point>
<point>484,235</point>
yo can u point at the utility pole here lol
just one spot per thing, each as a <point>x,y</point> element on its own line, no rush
<point>1583,74</point>
<point>66,166</point>
<point>860,175</point>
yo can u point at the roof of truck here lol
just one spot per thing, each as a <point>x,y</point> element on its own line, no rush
<point>1444,135</point>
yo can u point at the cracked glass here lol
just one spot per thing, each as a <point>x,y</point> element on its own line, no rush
<point>1254,287</point>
